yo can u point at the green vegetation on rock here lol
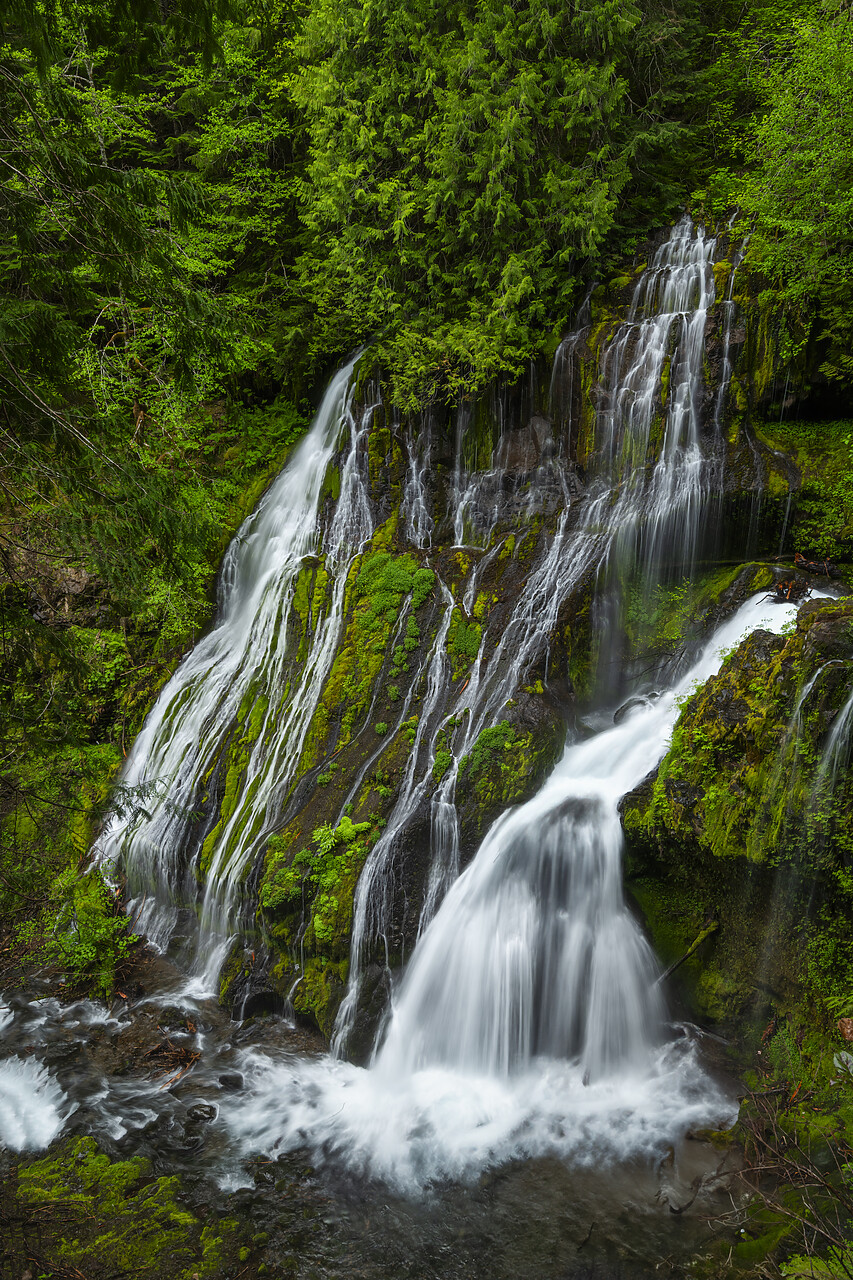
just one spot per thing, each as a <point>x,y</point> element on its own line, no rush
<point>119,1210</point>
<point>741,824</point>
<point>463,642</point>
<point>503,767</point>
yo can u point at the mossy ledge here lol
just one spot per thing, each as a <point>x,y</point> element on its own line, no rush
<point>738,826</point>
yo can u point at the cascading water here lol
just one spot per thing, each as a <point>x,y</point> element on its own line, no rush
<point>530,980</point>
<point>638,516</point>
<point>529,1020</point>
<point>234,685</point>
<point>837,749</point>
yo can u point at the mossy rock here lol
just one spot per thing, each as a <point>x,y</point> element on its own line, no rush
<point>91,1209</point>
<point>506,765</point>
<point>735,825</point>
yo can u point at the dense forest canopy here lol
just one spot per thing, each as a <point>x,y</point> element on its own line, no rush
<point>204,201</point>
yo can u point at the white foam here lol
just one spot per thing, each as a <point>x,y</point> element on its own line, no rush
<point>439,1124</point>
<point>33,1107</point>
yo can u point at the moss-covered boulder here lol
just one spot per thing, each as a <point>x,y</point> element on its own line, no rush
<point>745,824</point>
<point>506,764</point>
<point>77,1208</point>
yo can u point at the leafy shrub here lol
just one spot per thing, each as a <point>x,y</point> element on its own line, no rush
<point>90,937</point>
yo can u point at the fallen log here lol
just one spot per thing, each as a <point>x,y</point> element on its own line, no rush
<point>823,568</point>
<point>708,928</point>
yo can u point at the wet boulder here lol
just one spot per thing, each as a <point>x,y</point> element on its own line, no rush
<point>506,765</point>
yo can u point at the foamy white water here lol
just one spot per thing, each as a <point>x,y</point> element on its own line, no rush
<point>33,1107</point>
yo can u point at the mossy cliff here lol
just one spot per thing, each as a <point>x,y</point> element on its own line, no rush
<point>788,433</point>
<point>745,827</point>
<point>368,745</point>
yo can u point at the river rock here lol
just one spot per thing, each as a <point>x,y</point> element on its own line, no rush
<point>633,704</point>
<point>202,1112</point>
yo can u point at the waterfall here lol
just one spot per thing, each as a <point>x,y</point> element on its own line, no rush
<point>665,328</point>
<point>234,687</point>
<point>644,507</point>
<point>419,521</point>
<point>837,749</point>
<point>820,799</point>
<point>533,952</point>
<point>529,1020</point>
<point>218,755</point>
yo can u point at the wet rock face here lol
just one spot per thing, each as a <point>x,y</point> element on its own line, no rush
<point>746,818</point>
<point>522,450</point>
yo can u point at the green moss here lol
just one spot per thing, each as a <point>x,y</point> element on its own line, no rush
<point>504,767</point>
<point>722,273</point>
<point>661,619</point>
<point>481,605</point>
<point>331,484</point>
<point>463,642</point>
<point>442,762</point>
<point>90,936</point>
<point>319,990</point>
<point>229,973</point>
<point>665,376</point>
<point>117,1211</point>
<point>378,452</point>
<point>319,882</point>
<point>821,522</point>
<point>410,728</point>
<point>380,586</point>
<point>737,807</point>
<point>413,634</point>
<point>236,763</point>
